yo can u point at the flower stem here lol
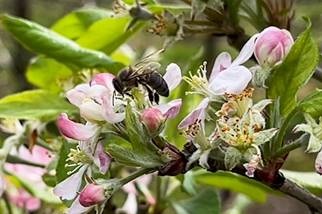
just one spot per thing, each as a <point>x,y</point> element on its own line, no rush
<point>136,174</point>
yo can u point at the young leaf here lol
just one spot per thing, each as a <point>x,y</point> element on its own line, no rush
<point>47,73</point>
<point>129,157</point>
<point>296,70</point>
<point>108,34</point>
<point>226,180</point>
<point>312,104</point>
<point>44,41</point>
<point>206,202</point>
<point>74,24</point>
<point>34,104</point>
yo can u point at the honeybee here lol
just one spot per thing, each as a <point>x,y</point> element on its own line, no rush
<point>146,75</point>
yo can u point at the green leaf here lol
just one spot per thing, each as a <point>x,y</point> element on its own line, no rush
<point>34,104</point>
<point>108,34</point>
<point>310,180</point>
<point>47,73</point>
<point>129,157</point>
<point>312,104</point>
<point>206,202</point>
<point>74,24</point>
<point>296,70</point>
<point>232,157</point>
<point>234,182</point>
<point>61,169</point>
<point>44,41</point>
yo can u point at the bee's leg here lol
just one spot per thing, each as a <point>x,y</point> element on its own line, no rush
<point>150,92</point>
<point>156,98</point>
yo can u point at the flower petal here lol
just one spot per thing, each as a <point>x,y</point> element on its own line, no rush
<point>78,94</point>
<point>75,130</point>
<point>2,185</point>
<point>109,113</point>
<point>170,109</point>
<point>77,208</point>
<point>104,79</point>
<point>318,163</point>
<point>101,159</point>
<point>222,62</point>
<point>131,205</point>
<point>232,81</point>
<point>172,76</point>
<point>246,52</point>
<point>68,188</point>
<point>91,111</point>
<point>197,113</point>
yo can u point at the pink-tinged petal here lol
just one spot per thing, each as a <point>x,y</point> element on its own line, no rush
<point>77,208</point>
<point>131,205</point>
<point>68,188</point>
<point>78,94</point>
<point>198,113</point>
<point>222,62</point>
<point>2,185</point>
<point>172,76</point>
<point>91,195</point>
<point>102,159</point>
<point>24,200</point>
<point>109,113</point>
<point>232,81</point>
<point>91,111</point>
<point>170,109</point>
<point>104,79</point>
<point>246,52</point>
<point>75,130</point>
<point>38,154</point>
<point>30,173</point>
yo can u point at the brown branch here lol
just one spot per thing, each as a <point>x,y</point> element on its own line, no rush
<point>292,189</point>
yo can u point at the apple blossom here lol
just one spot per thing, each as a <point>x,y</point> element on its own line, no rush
<point>272,46</point>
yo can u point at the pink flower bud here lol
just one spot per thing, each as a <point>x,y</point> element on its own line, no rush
<point>92,194</point>
<point>272,45</point>
<point>318,163</point>
<point>153,119</point>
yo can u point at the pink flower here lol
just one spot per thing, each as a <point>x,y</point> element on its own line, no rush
<point>73,130</point>
<point>24,200</point>
<point>229,76</point>
<point>153,119</point>
<point>95,100</point>
<point>170,109</point>
<point>91,195</point>
<point>252,165</point>
<point>272,45</point>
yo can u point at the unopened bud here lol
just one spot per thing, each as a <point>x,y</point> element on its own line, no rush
<point>92,194</point>
<point>318,163</point>
<point>153,119</point>
<point>272,45</point>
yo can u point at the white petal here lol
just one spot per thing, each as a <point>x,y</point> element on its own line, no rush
<point>2,185</point>
<point>78,94</point>
<point>109,113</point>
<point>246,52</point>
<point>222,62</point>
<point>232,81</point>
<point>172,76</point>
<point>131,205</point>
<point>197,113</point>
<point>170,109</point>
<point>68,188</point>
<point>91,111</point>
<point>77,208</point>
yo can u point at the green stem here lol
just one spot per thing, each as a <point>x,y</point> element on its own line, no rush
<point>289,147</point>
<point>136,174</point>
<point>18,160</point>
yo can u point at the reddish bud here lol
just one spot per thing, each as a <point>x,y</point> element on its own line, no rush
<point>153,119</point>
<point>92,194</point>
